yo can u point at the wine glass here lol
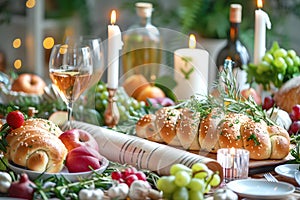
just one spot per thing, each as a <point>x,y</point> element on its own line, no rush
<point>96,47</point>
<point>70,68</point>
<point>97,50</point>
<point>86,102</point>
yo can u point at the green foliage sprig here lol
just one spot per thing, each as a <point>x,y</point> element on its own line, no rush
<point>60,187</point>
<point>295,151</point>
<point>229,100</point>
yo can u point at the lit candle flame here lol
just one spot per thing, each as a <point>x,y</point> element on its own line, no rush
<point>259,3</point>
<point>192,41</point>
<point>113,17</point>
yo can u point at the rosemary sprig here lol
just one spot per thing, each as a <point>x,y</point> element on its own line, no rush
<point>62,188</point>
<point>295,151</point>
<point>229,99</point>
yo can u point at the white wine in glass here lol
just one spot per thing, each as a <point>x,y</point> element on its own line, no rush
<point>70,69</point>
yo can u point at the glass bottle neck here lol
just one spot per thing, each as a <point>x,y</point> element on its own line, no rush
<point>145,21</point>
<point>234,32</point>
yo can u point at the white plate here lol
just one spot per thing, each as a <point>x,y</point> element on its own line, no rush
<point>70,176</point>
<point>287,170</point>
<point>261,189</point>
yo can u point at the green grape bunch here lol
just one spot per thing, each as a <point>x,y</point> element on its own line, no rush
<point>278,65</point>
<point>129,108</point>
<point>186,183</point>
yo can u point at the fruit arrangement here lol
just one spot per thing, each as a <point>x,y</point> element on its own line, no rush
<point>277,66</point>
<point>71,147</point>
<point>188,183</point>
<point>294,128</point>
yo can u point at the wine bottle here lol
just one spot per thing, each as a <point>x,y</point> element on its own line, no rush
<point>235,49</point>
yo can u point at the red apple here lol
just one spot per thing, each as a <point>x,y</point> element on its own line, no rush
<point>251,92</point>
<point>81,158</point>
<point>76,138</point>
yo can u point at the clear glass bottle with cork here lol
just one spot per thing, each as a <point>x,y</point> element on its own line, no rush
<point>235,49</point>
<point>142,45</point>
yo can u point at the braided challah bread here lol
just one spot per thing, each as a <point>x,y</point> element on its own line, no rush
<point>184,128</point>
<point>36,146</point>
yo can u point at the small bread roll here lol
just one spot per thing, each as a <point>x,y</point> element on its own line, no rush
<point>35,146</point>
<point>256,139</point>
<point>146,128</point>
<point>166,119</point>
<point>208,134</point>
<point>280,141</point>
<point>288,95</point>
<point>229,131</point>
<point>187,129</point>
<point>29,83</point>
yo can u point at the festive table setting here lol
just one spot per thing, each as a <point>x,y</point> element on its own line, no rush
<point>153,131</point>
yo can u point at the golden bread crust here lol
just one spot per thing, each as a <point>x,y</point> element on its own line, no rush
<point>256,139</point>
<point>166,119</point>
<point>187,127</point>
<point>36,148</point>
<point>229,131</point>
<point>146,128</point>
<point>208,131</point>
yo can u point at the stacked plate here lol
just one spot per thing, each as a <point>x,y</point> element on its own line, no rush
<point>261,189</point>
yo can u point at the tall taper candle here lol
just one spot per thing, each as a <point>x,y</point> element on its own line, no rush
<point>114,46</point>
<point>261,21</point>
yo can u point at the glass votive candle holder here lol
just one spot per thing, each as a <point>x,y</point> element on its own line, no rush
<point>235,163</point>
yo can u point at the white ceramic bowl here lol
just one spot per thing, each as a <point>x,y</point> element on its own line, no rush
<point>70,176</point>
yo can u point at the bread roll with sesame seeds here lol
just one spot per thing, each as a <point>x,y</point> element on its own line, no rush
<point>44,124</point>
<point>146,128</point>
<point>208,131</point>
<point>280,142</point>
<point>187,129</point>
<point>229,130</point>
<point>36,148</point>
<point>256,139</point>
<point>166,119</point>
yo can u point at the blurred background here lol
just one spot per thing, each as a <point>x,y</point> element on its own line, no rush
<point>29,28</point>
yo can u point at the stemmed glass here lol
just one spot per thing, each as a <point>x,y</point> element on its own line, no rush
<point>97,50</point>
<point>70,68</point>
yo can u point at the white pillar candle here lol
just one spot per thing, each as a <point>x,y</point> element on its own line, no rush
<point>261,21</point>
<point>114,46</point>
<point>191,71</point>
